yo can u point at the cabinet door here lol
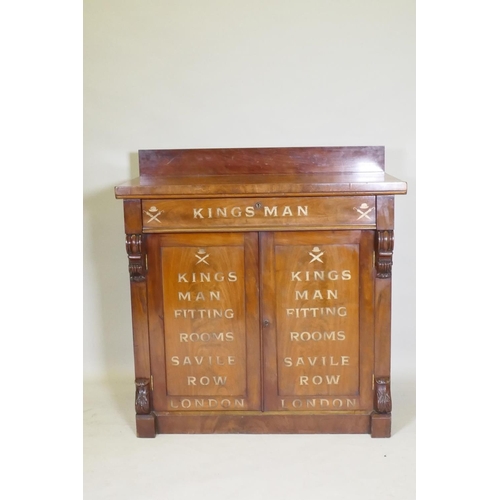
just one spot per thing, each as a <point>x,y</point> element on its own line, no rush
<point>204,321</point>
<point>317,317</point>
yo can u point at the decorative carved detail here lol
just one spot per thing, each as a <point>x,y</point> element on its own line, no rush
<point>384,247</point>
<point>142,396</point>
<point>383,402</point>
<point>136,257</point>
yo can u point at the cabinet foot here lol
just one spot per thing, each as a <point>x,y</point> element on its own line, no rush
<point>146,426</point>
<point>381,425</point>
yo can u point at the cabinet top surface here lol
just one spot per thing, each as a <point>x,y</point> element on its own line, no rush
<point>261,171</point>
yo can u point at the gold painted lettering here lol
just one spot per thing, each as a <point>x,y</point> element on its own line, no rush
<point>203,313</point>
<point>321,403</point>
<point>199,360</point>
<point>214,295</point>
<point>206,337</point>
<point>217,380</point>
<point>331,275</point>
<point>273,212</point>
<point>206,277</point>
<point>318,379</point>
<point>307,312</point>
<point>317,361</point>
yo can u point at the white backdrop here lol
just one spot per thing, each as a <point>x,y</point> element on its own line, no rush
<point>232,73</point>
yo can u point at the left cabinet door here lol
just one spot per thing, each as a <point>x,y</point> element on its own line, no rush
<point>203,296</point>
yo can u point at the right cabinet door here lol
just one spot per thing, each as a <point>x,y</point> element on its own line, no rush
<point>317,305</point>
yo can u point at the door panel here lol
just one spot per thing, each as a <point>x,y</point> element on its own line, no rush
<point>317,307</point>
<point>204,323</point>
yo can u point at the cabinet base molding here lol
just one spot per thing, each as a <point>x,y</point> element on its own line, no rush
<point>339,423</point>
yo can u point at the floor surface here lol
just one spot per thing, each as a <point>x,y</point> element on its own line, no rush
<point>118,465</point>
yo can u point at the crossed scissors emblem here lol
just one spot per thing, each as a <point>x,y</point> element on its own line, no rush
<point>153,216</point>
<point>316,256</point>
<point>364,206</point>
<point>202,255</point>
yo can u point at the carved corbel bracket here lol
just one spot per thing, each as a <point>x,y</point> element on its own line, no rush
<point>384,247</point>
<point>136,257</point>
<point>383,402</point>
<point>142,396</point>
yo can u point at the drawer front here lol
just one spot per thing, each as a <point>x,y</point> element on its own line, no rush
<point>245,214</point>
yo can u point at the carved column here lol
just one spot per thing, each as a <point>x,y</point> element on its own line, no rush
<point>384,247</point>
<point>383,402</point>
<point>144,418</point>
<point>136,257</point>
<point>142,396</point>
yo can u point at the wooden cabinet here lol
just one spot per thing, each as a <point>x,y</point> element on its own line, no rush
<point>261,290</point>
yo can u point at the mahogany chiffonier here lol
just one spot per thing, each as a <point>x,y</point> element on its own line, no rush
<point>261,290</point>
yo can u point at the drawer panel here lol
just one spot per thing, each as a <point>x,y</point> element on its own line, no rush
<point>245,214</point>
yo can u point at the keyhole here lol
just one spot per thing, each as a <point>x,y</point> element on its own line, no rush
<point>258,205</point>
<point>266,322</point>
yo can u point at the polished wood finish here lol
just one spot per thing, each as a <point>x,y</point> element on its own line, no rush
<point>264,423</point>
<point>207,344</point>
<point>210,173</point>
<point>260,161</point>
<point>261,290</point>
<point>319,331</point>
<point>241,185</point>
<point>242,214</point>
